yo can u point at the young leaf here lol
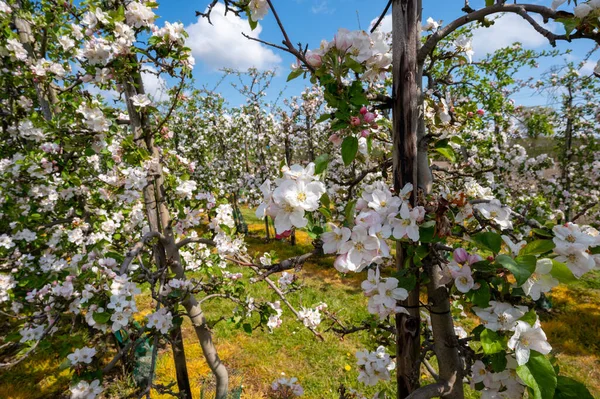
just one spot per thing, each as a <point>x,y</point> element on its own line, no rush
<point>561,272</point>
<point>488,240</point>
<point>537,247</point>
<point>294,74</point>
<point>349,149</point>
<point>521,267</point>
<point>492,342</point>
<point>480,297</point>
<point>568,388</point>
<point>538,374</point>
<point>321,163</point>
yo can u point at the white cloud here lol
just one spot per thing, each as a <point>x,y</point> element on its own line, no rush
<point>508,29</point>
<point>222,45</point>
<point>322,7</point>
<point>154,85</point>
<point>385,25</point>
<point>588,67</point>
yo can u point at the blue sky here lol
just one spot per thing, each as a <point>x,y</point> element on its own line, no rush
<point>309,21</point>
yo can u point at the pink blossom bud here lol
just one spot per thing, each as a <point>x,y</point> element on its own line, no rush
<point>355,121</point>
<point>473,258</point>
<point>469,114</point>
<point>480,112</point>
<point>460,255</point>
<point>363,110</point>
<point>313,59</point>
<point>365,133</point>
<point>370,117</point>
<point>361,204</point>
<point>335,139</point>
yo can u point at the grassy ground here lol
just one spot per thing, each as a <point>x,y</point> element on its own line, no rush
<point>573,328</point>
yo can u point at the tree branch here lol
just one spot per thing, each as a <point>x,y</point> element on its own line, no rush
<point>137,248</point>
<point>519,9</point>
<point>430,391</point>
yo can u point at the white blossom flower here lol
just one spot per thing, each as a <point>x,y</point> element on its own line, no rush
<point>334,239</point>
<point>541,280</point>
<point>431,24</point>
<point>83,355</point>
<point>527,338</point>
<point>85,390</point>
<point>162,320</point>
<point>360,250</point>
<point>141,100</point>
<point>495,211</point>
<point>258,9</point>
<point>374,366</point>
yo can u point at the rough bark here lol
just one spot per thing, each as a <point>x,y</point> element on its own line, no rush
<point>406,17</point>
<point>444,337</point>
<point>158,217</point>
<point>160,221</point>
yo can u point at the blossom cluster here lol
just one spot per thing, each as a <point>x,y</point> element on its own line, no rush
<point>297,192</point>
<point>505,384</point>
<point>374,366</point>
<point>371,50</point>
<point>572,247</point>
<point>383,294</point>
<point>380,216</point>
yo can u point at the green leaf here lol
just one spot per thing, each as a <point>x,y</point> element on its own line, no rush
<point>253,24</point>
<point>64,365</point>
<point>444,149</point>
<point>498,361</point>
<point>349,212</point>
<point>570,24</point>
<point>568,388</point>
<point>530,317</point>
<point>537,247</point>
<point>480,297</point>
<point>489,3</point>
<point>323,118</point>
<point>101,318</point>
<point>542,233</point>
<point>325,201</point>
<point>521,267</point>
<point>325,212</point>
<point>492,342</point>
<point>247,328</point>
<point>488,240</point>
<point>561,272</point>
<point>294,74</point>
<point>484,266</point>
<point>538,374</point>
<point>408,282</point>
<point>354,65</point>
<point>321,163</point>
<point>349,149</point>
<point>427,232</point>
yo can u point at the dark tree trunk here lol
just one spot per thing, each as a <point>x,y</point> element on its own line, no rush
<point>406,17</point>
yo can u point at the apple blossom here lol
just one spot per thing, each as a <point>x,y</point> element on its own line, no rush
<point>527,338</point>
